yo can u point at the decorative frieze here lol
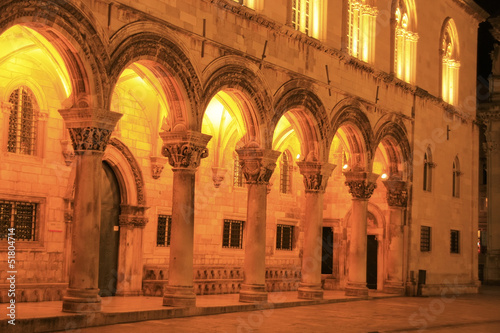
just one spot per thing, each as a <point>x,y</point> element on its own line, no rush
<point>89,129</point>
<point>397,192</point>
<point>185,150</point>
<point>315,175</point>
<point>133,216</point>
<point>257,164</point>
<point>361,184</point>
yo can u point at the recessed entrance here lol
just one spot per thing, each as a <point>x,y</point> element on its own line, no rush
<point>371,262</point>
<point>327,257</point>
<point>110,234</point>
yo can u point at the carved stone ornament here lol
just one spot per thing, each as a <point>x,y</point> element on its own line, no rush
<point>315,175</point>
<point>257,164</point>
<point>185,150</point>
<point>89,129</point>
<point>397,192</point>
<point>133,216</point>
<point>218,175</point>
<point>157,165</point>
<point>68,154</point>
<point>361,184</point>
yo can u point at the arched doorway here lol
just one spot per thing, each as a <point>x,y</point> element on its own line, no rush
<point>110,234</point>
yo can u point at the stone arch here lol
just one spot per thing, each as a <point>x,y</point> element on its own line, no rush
<point>350,115</point>
<point>168,60</point>
<point>242,80</point>
<point>73,31</point>
<point>393,135</point>
<point>309,116</point>
<point>409,6</point>
<point>128,173</point>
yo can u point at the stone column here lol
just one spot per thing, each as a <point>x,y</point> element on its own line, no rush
<point>397,197</point>
<point>184,151</point>
<point>90,130</point>
<point>315,180</point>
<point>132,222</point>
<point>361,186</point>
<point>257,166</point>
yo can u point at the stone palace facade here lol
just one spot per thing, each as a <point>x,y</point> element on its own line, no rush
<point>186,147</point>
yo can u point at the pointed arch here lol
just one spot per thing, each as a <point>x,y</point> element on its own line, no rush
<point>75,34</point>
<point>169,62</point>
<point>404,39</point>
<point>449,55</point>
<point>307,114</point>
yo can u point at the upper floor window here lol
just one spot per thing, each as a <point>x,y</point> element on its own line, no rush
<point>306,16</point>
<point>428,165</point>
<point>22,122</point>
<point>405,41</point>
<point>18,219</point>
<point>286,169</point>
<point>450,64</point>
<point>361,26</point>
<point>248,3</point>
<point>456,178</point>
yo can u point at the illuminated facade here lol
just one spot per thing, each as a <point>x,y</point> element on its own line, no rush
<point>237,147</point>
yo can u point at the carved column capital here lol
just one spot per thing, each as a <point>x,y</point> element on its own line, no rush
<point>361,184</point>
<point>397,192</point>
<point>185,150</point>
<point>89,129</point>
<point>157,165</point>
<point>316,175</point>
<point>257,164</point>
<point>133,216</point>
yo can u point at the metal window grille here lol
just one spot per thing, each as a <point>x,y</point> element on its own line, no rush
<point>237,174</point>
<point>232,235</point>
<point>454,241</point>
<point>163,230</point>
<point>425,239</point>
<point>22,122</point>
<point>19,215</point>
<point>285,174</point>
<point>284,237</point>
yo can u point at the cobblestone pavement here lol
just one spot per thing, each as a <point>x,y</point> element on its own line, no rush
<point>447,313</point>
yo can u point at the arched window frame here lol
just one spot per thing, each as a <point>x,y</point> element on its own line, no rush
<point>427,171</point>
<point>360,29</point>
<point>286,171</point>
<point>405,40</point>
<point>450,62</point>
<point>456,178</point>
<point>22,122</point>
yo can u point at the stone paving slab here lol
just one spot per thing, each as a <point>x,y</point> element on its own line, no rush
<point>48,317</point>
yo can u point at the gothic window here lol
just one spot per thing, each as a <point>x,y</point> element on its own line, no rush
<point>428,165</point>
<point>425,239</point>
<point>454,241</point>
<point>21,216</point>
<point>456,178</point>
<point>286,169</point>
<point>163,230</point>
<point>284,237</point>
<point>405,43</point>
<point>237,173</point>
<point>232,234</point>
<point>361,26</point>
<point>450,64</point>
<point>22,122</point>
<point>305,16</point>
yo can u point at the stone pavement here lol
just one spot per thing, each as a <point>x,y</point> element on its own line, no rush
<point>337,313</point>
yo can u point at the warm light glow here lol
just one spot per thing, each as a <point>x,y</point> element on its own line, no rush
<point>361,26</point>
<point>384,176</point>
<point>345,167</point>
<point>404,45</point>
<point>298,156</point>
<point>306,16</point>
<point>450,64</point>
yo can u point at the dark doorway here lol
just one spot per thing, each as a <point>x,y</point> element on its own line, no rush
<point>110,234</point>
<point>327,257</point>
<point>371,262</point>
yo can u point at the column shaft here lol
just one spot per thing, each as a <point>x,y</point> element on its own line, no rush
<point>395,251</point>
<point>356,284</point>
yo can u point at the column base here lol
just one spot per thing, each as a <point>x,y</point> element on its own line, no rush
<point>394,287</point>
<point>253,293</point>
<point>180,296</point>
<point>310,291</point>
<point>82,301</point>
<point>356,289</point>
